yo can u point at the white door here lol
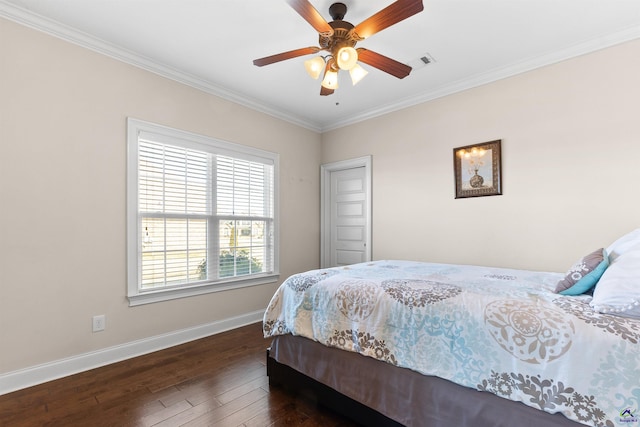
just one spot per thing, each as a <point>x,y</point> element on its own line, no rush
<point>346,231</point>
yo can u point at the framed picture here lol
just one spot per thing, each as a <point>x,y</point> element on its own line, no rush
<point>477,169</point>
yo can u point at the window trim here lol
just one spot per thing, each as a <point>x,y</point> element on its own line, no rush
<point>135,295</point>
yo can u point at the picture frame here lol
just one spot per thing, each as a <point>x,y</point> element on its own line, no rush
<point>478,169</point>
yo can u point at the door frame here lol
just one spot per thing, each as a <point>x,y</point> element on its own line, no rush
<point>325,203</point>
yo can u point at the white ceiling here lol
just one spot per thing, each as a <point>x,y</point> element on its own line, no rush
<point>211,44</point>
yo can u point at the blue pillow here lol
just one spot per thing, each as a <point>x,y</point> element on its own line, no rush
<point>584,274</point>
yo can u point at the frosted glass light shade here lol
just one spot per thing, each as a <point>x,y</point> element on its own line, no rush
<point>330,80</point>
<point>314,66</point>
<point>357,73</point>
<point>347,58</point>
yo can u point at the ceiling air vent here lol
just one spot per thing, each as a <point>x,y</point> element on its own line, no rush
<point>422,61</point>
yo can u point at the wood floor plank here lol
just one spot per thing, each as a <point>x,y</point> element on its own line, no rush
<point>239,417</point>
<point>191,414</point>
<point>243,389</point>
<point>213,416</point>
<point>282,411</point>
<point>165,413</point>
<point>216,381</point>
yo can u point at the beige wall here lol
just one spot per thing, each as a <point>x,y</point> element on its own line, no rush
<point>571,147</point>
<point>63,113</point>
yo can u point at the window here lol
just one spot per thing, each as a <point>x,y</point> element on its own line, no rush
<point>201,214</point>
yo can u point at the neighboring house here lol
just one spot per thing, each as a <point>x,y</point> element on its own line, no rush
<point>570,139</point>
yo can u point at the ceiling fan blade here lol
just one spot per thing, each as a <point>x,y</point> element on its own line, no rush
<point>383,63</point>
<point>392,14</point>
<point>285,55</point>
<point>311,15</point>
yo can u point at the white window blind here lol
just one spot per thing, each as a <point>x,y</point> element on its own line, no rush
<point>204,213</point>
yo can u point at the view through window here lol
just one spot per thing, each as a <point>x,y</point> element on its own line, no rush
<point>205,214</point>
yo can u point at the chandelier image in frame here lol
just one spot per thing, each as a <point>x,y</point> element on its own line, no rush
<point>478,169</point>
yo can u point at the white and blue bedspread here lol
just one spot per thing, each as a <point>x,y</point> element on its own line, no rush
<point>499,330</point>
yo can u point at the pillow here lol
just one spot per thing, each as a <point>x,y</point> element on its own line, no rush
<point>621,245</point>
<point>584,274</point>
<point>618,290</point>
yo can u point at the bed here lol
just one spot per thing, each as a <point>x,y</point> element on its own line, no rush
<point>398,342</point>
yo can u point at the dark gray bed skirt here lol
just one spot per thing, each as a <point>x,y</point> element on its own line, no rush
<point>410,398</point>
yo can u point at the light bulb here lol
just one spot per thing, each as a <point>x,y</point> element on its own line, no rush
<point>357,73</point>
<point>347,58</point>
<point>330,80</point>
<point>314,66</point>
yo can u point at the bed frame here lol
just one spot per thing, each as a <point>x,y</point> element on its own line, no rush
<point>375,393</point>
<point>281,375</point>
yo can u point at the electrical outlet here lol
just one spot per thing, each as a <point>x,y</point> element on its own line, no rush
<point>99,323</point>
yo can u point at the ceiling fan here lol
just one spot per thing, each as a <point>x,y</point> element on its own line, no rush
<point>339,38</point>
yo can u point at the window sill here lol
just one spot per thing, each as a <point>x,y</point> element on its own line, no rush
<point>153,296</point>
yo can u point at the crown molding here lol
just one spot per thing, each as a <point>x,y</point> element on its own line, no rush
<point>491,76</point>
<point>72,35</point>
<point>40,23</point>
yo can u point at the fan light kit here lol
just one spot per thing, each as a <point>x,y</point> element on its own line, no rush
<point>339,38</point>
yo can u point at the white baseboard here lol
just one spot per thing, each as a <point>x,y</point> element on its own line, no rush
<point>39,374</point>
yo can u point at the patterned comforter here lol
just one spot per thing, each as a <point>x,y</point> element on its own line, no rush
<point>498,330</point>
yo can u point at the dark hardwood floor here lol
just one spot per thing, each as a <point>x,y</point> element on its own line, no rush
<point>216,381</point>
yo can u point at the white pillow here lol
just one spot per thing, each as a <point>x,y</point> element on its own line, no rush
<point>621,245</point>
<point>618,290</point>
